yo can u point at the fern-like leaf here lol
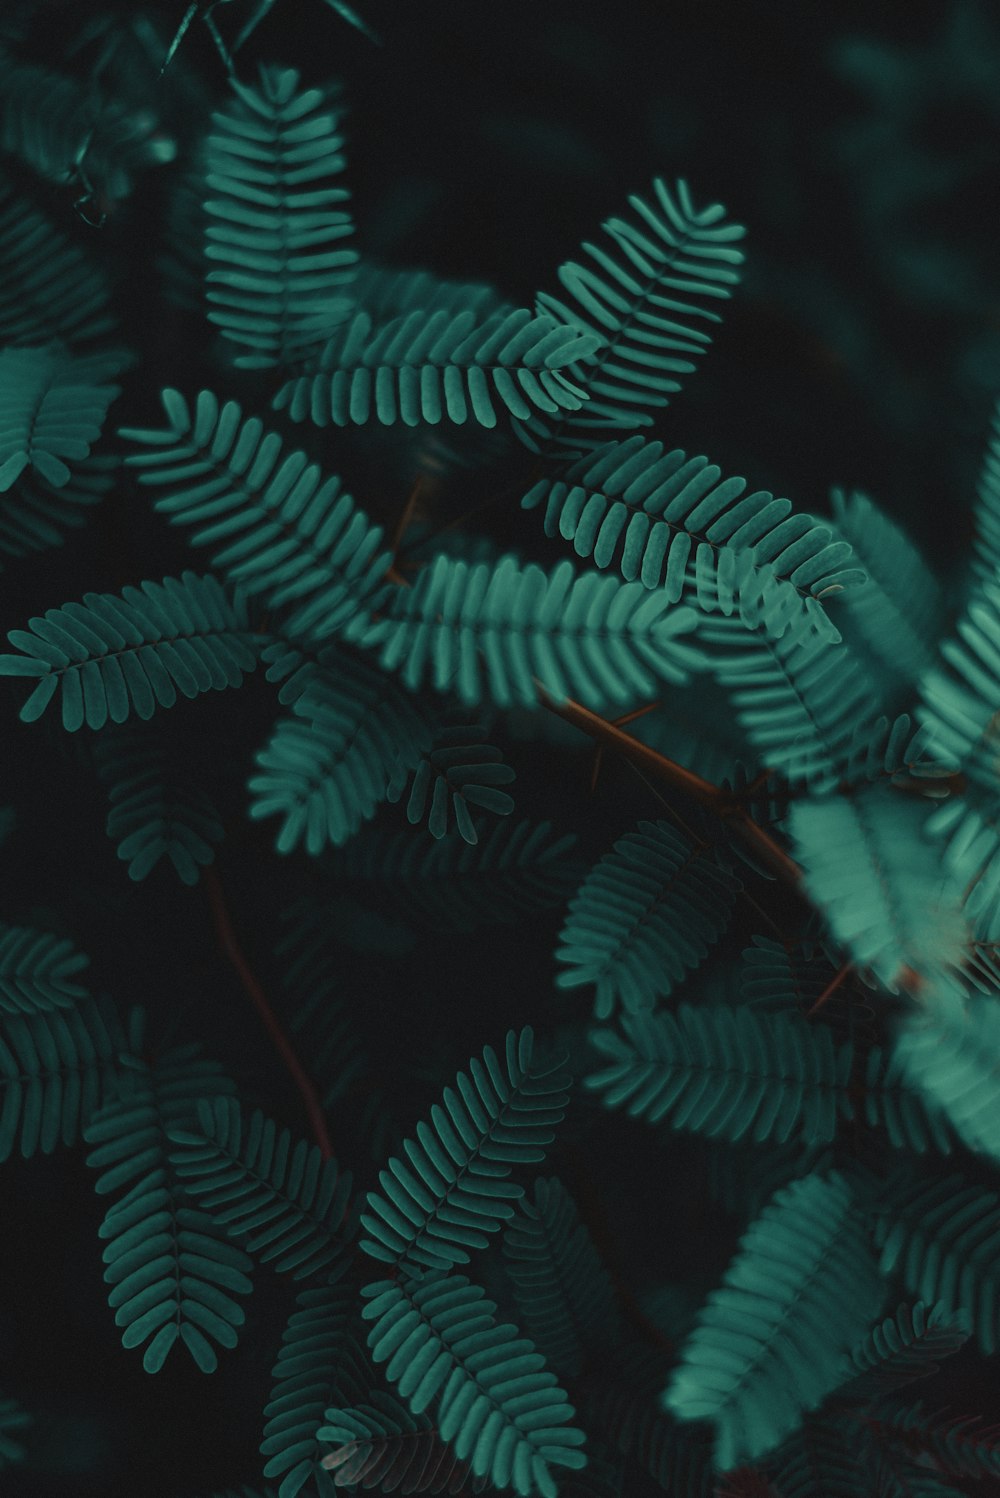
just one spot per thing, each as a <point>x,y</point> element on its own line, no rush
<point>461,771</point>
<point>172,1273</point>
<point>109,656</point>
<point>660,517</point>
<point>899,609</point>
<point>51,290</point>
<point>500,632</point>
<point>900,1350</point>
<point>960,702</point>
<point>285,1202</point>
<point>879,884</point>
<point>52,409</point>
<point>442,366</point>
<point>319,1363</point>
<point>563,1292</point>
<point>37,971</point>
<point>959,1445</point>
<point>941,1236</point>
<point>648,913</point>
<point>279,529</point>
<point>454,1191</point>
<point>382,1445</point>
<point>56,1069</point>
<point>496,1403</point>
<point>649,297</point>
<point>277,220</point>
<point>153,817</point>
<point>948,1053</point>
<point>35,513</point>
<point>987,537</point>
<point>803,700</point>
<point>771,1343</point>
<point>328,768</point>
<point>727,1073</point>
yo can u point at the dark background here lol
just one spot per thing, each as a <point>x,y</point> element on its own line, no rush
<point>860,144</point>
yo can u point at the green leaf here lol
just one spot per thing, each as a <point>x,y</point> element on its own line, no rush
<point>948,1052</point>
<point>52,409</point>
<point>329,768</point>
<point>648,295</point>
<point>940,1235</point>
<point>173,1275</point>
<point>278,224</point>
<point>563,1292</point>
<point>454,1191</point>
<point>458,773</point>
<point>319,1363</point>
<point>499,632</point>
<point>286,1202</point>
<point>439,366</point>
<point>496,1403</point>
<point>667,520</point>
<point>773,1341</point>
<point>278,528</point>
<point>109,656</point>
<point>880,884</point>
<point>56,1068</point>
<point>647,914</point>
<point>37,971</point>
<point>727,1073</point>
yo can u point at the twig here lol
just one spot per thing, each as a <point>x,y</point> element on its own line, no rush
<point>231,947</point>
<point>721,802</point>
<point>830,988</point>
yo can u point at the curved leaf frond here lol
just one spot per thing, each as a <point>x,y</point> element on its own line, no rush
<point>459,772</point>
<point>328,769</point>
<point>52,409</point>
<point>279,528</point>
<point>382,1445</point>
<point>772,1342</point>
<point>109,657</point>
<point>37,971</point>
<point>563,1292</point>
<point>439,366</point>
<point>172,1273</point>
<point>452,1191</point>
<point>277,220</point>
<point>727,1073</point>
<point>647,914</point>
<point>319,1363</point>
<point>648,296</point>
<point>662,518</point>
<point>879,884</point>
<point>285,1202</point>
<point>56,1069</point>
<point>499,632</point>
<point>496,1403</point>
<point>941,1235</point>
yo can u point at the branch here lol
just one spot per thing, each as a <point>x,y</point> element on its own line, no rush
<point>229,944</point>
<point>703,791</point>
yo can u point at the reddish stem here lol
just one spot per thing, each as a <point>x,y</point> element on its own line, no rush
<point>722,803</point>
<point>830,988</point>
<point>230,946</point>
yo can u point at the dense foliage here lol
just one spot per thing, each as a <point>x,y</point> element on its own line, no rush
<point>501,929</point>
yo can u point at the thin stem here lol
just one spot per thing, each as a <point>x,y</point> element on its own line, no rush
<point>229,944</point>
<point>721,802</point>
<point>831,988</point>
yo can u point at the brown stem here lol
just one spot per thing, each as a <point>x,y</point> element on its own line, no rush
<point>230,946</point>
<point>661,768</point>
<point>830,988</point>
